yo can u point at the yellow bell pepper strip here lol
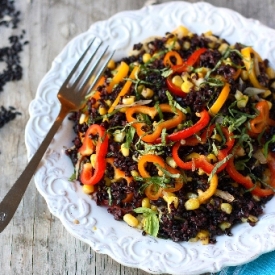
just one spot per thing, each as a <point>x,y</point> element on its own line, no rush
<point>152,112</point>
<point>248,62</point>
<point>119,174</point>
<point>258,124</point>
<point>172,54</point>
<point>122,72</point>
<point>150,191</point>
<point>194,129</point>
<point>215,108</point>
<point>89,175</point>
<point>125,89</point>
<point>213,184</point>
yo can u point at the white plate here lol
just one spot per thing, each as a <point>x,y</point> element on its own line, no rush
<point>98,228</point>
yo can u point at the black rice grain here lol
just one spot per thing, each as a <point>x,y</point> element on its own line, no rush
<point>9,55</point>
<point>7,115</point>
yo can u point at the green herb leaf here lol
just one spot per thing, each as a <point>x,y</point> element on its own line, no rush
<point>265,147</point>
<point>174,104</point>
<point>166,72</point>
<point>159,110</point>
<point>151,220</point>
<point>130,133</point>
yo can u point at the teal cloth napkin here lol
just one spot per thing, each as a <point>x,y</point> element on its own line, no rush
<point>264,265</point>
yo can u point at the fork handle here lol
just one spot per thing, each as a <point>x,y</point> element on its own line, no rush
<point>13,198</point>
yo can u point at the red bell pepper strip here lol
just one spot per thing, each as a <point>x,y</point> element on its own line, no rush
<point>247,182</point>
<point>201,161</point>
<point>192,59</point>
<point>194,129</point>
<point>180,68</point>
<point>89,175</point>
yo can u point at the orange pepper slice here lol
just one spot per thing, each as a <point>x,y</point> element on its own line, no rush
<point>152,112</point>
<point>172,54</point>
<point>118,174</point>
<point>122,72</point>
<point>260,122</point>
<point>215,108</point>
<point>151,191</point>
<point>125,89</point>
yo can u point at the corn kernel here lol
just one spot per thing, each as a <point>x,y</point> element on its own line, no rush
<point>170,198</point>
<point>111,64</point>
<point>186,86</point>
<point>171,162</point>
<point>88,189</point>
<point>211,158</point>
<point>266,93</point>
<point>224,225</point>
<point>177,80</point>
<point>252,218</point>
<point>146,203</point>
<point>186,45</point>
<point>217,137</point>
<point>181,31</point>
<point>108,102</point>
<point>154,208</point>
<point>192,156</point>
<point>192,204</point>
<point>134,173</point>
<point>83,118</point>
<point>93,160</point>
<point>147,93</point>
<point>128,100</point>
<point>124,150</point>
<point>223,47</point>
<point>102,111</point>
<point>203,236</point>
<point>119,136</point>
<point>201,172</point>
<point>131,220</point>
<point>270,72</point>
<point>146,57</point>
<point>269,104</point>
<point>226,207</point>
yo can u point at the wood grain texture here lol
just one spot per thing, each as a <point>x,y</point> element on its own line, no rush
<point>35,242</point>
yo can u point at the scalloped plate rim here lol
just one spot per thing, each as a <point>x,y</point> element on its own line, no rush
<point>30,147</point>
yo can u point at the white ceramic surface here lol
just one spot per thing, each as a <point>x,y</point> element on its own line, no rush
<point>98,228</point>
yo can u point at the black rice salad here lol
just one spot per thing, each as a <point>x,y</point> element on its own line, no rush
<point>10,55</point>
<point>178,139</point>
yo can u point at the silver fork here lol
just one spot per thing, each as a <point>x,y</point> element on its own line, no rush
<point>71,97</point>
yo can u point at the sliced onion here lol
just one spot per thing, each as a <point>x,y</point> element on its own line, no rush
<point>253,91</point>
<point>136,103</point>
<point>224,195</point>
<point>258,155</point>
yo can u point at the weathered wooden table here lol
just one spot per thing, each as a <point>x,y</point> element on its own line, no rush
<point>35,242</point>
